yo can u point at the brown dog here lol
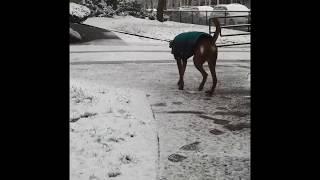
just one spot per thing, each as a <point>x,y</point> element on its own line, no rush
<point>202,47</point>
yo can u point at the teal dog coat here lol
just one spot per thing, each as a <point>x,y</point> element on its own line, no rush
<point>183,44</point>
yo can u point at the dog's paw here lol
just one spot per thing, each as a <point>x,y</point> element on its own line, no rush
<point>181,85</point>
<point>209,93</point>
<point>200,88</point>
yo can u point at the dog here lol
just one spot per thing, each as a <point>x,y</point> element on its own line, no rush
<point>200,45</point>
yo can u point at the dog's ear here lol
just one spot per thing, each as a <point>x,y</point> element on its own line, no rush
<point>170,44</point>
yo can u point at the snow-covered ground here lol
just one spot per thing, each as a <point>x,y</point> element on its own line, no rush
<point>78,10</point>
<point>161,30</point>
<point>112,133</point>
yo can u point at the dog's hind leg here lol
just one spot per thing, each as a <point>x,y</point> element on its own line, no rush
<point>198,63</point>
<point>212,67</point>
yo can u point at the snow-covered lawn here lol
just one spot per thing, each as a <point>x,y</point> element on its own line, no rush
<point>112,134</point>
<point>162,30</point>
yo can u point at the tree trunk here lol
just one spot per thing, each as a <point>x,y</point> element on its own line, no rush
<point>160,10</point>
<point>115,5</point>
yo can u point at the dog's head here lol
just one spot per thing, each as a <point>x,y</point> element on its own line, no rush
<point>170,44</point>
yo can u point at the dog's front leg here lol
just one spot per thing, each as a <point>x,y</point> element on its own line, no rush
<point>181,67</point>
<point>184,65</point>
<point>198,63</point>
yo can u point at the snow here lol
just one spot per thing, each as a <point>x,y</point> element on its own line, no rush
<point>217,154</point>
<point>234,7</point>
<point>204,8</point>
<point>74,33</point>
<point>151,10</point>
<point>162,30</point>
<point>79,10</point>
<point>117,139</point>
<point>113,135</point>
<point>196,8</point>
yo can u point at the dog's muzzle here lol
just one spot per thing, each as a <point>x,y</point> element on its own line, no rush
<point>170,44</point>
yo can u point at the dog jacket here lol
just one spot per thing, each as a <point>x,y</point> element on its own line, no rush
<point>183,44</point>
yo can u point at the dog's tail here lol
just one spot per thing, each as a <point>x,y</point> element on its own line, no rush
<point>218,30</point>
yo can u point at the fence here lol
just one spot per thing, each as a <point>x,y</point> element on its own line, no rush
<point>231,26</point>
<point>202,17</point>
